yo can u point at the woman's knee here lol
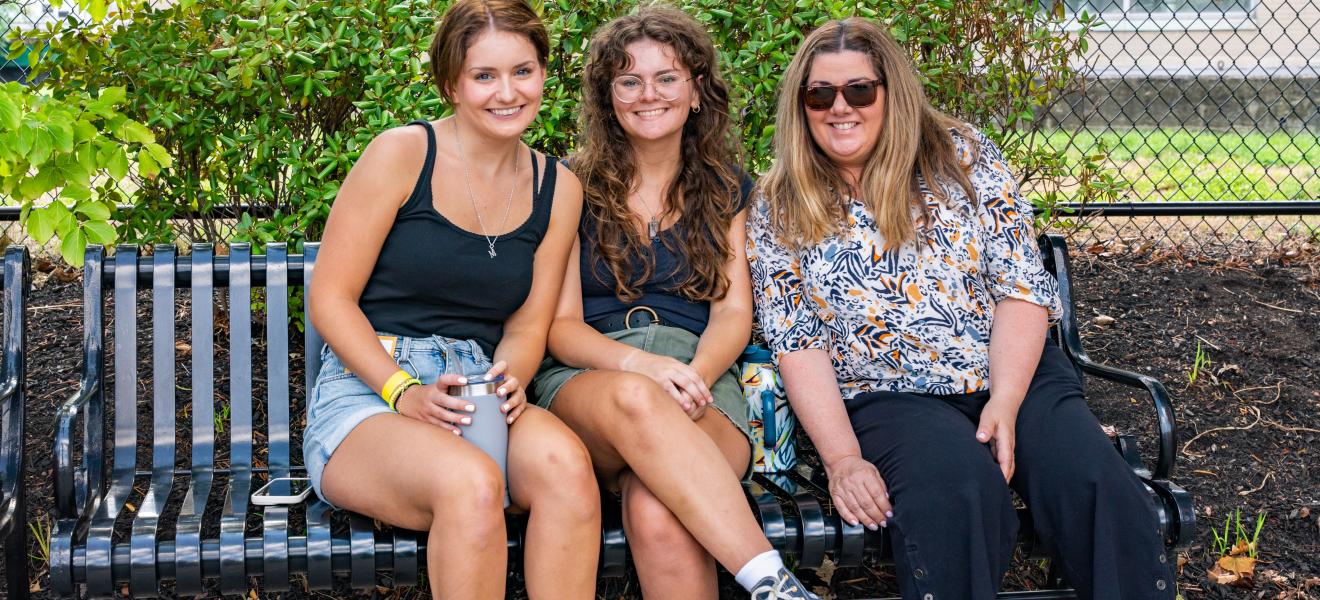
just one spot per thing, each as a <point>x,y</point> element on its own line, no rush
<point>951,481</point>
<point>471,483</point>
<point>562,470</point>
<point>637,398</point>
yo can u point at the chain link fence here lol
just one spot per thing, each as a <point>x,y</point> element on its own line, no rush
<point>1200,101</point>
<point>1184,101</point>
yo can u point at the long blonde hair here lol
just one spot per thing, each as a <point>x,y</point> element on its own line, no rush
<point>804,187</point>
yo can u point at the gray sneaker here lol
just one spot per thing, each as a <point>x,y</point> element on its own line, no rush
<point>782,586</point>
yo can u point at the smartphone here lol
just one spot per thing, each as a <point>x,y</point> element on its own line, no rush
<point>283,490</point>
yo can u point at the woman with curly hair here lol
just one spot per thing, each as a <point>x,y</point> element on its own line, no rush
<point>656,307</point>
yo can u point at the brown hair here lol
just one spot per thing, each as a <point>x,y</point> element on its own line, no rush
<point>465,20</point>
<point>915,140</point>
<point>705,192</point>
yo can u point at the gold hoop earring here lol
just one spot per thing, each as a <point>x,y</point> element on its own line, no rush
<point>696,109</point>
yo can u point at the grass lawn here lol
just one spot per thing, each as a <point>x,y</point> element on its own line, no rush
<point>1203,166</point>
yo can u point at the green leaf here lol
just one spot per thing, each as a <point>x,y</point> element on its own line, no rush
<point>40,225</point>
<point>83,130</point>
<point>100,232</point>
<point>42,147</point>
<point>117,164</point>
<point>73,246</point>
<point>9,114</point>
<point>113,96</point>
<point>77,192</point>
<point>64,220</point>
<point>161,155</point>
<point>148,168</point>
<point>137,133</point>
<point>27,137</point>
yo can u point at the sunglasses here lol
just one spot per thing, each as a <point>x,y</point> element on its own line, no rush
<point>857,94</point>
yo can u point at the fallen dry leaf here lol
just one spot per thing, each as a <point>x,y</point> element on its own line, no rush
<point>1221,577</point>
<point>1242,547</point>
<point>1103,320</point>
<point>1242,566</point>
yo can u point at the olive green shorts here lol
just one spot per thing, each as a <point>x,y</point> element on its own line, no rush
<point>674,342</point>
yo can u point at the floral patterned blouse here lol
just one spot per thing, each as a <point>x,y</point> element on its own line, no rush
<point>905,320</point>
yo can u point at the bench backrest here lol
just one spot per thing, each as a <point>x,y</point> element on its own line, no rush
<point>202,274</point>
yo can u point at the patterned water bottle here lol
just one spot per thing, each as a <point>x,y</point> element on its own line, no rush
<point>772,421</point>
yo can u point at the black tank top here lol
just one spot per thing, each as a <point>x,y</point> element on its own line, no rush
<point>435,278</point>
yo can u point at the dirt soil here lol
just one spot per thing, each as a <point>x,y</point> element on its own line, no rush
<point>1248,409</point>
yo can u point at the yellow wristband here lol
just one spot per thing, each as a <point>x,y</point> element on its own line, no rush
<point>388,390</point>
<point>393,401</point>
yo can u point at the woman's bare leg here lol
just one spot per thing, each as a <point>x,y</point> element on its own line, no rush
<point>670,562</point>
<point>418,476</point>
<point>627,420</point>
<point>550,477</point>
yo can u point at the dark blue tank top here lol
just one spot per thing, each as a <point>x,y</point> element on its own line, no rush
<point>435,278</point>
<point>660,292</point>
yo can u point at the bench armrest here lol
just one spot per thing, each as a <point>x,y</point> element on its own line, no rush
<point>73,484</point>
<point>1070,338</point>
<point>1159,399</point>
<point>11,448</point>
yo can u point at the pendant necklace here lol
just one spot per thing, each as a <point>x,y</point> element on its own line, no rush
<point>467,181</point>
<point>652,226</point>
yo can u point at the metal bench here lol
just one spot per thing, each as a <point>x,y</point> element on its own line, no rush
<point>13,393</point>
<point>218,535</point>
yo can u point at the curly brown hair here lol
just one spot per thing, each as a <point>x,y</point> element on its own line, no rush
<point>704,193</point>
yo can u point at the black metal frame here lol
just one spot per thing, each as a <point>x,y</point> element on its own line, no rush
<point>91,494</point>
<point>13,395</point>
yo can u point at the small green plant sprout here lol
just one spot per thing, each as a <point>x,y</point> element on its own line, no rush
<point>1236,563</point>
<point>220,417</point>
<point>40,529</point>
<point>1200,363</point>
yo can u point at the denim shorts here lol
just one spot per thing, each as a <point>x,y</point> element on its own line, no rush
<point>341,401</point>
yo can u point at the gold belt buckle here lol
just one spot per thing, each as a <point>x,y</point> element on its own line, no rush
<point>627,318</point>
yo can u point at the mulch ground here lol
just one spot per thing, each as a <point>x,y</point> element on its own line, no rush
<point>1235,341</point>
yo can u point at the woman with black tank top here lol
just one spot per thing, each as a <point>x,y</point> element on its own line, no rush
<point>447,245</point>
<point>657,307</point>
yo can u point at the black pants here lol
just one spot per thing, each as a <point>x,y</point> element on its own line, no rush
<point>954,526</point>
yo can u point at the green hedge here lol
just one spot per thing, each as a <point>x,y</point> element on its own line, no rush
<point>269,102</point>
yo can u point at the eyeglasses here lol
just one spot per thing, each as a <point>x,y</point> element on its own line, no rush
<point>857,94</point>
<point>629,88</point>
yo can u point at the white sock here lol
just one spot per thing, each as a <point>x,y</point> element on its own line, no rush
<point>765,564</point>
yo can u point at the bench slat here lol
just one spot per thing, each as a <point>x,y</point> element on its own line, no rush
<point>275,519</point>
<point>143,577</point>
<point>233,521</point>
<point>100,579</point>
<point>188,532</point>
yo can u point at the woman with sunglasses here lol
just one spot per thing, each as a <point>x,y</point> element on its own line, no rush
<point>656,308</point>
<point>898,282</point>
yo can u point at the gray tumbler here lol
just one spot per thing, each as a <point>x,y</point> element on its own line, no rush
<point>489,431</point>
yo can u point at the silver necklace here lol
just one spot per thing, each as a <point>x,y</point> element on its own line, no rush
<point>467,182</point>
<point>652,226</point>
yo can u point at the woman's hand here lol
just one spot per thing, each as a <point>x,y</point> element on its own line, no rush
<point>515,397</point>
<point>682,382</point>
<point>998,428</point>
<point>432,404</point>
<point>859,493</point>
